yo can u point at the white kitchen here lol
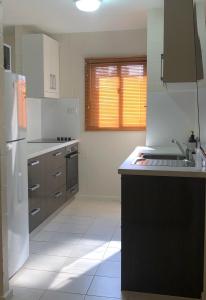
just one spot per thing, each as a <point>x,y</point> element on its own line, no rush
<point>103,164</point>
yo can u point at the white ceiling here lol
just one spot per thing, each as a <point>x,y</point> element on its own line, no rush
<point>60,16</point>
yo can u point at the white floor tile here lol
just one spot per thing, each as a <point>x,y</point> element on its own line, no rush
<point>109,269</point>
<point>42,236</point>
<point>51,227</point>
<point>70,238</point>
<point>83,240</point>
<point>71,283</point>
<point>81,266</point>
<point>25,294</point>
<point>73,228</point>
<point>51,295</point>
<point>50,248</point>
<point>123,297</point>
<point>78,219</point>
<point>103,230</point>
<point>112,254</point>
<point>87,252</point>
<point>33,279</point>
<point>46,263</point>
<point>115,244</point>
<point>98,298</point>
<point>105,287</point>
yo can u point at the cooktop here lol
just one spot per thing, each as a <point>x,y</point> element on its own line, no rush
<point>52,140</point>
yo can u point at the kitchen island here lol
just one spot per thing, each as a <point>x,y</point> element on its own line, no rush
<point>163,227</point>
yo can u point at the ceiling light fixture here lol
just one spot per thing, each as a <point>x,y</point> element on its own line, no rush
<point>88,5</point>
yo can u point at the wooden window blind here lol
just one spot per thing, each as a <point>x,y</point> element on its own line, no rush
<point>116,94</point>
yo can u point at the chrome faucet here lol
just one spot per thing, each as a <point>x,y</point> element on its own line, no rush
<point>186,153</point>
<point>179,146</point>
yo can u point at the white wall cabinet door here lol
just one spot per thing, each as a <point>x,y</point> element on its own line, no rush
<point>41,66</point>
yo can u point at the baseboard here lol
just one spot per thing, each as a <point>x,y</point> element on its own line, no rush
<point>7,296</point>
<point>98,197</point>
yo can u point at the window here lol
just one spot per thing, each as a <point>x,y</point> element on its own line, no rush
<point>116,94</point>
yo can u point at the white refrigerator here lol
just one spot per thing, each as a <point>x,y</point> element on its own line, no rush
<point>17,177</point>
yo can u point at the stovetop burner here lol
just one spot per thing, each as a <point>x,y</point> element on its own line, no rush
<point>52,140</point>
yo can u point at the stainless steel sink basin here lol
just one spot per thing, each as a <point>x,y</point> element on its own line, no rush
<point>163,156</point>
<point>163,160</point>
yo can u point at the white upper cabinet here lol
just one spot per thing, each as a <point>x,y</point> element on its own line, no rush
<point>41,66</point>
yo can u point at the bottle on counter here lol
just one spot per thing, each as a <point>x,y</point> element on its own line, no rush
<point>198,156</point>
<point>192,142</point>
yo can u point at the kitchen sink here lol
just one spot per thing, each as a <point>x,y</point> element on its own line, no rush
<point>163,160</point>
<point>163,156</point>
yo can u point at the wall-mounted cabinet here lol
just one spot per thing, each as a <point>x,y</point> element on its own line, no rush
<point>41,66</point>
<point>182,60</point>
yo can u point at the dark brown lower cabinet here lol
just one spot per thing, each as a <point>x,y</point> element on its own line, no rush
<point>47,186</point>
<point>53,201</point>
<point>163,222</point>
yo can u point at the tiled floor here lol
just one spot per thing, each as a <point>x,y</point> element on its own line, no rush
<point>76,257</point>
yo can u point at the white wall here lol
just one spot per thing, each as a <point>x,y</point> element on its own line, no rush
<point>100,152</point>
<point>172,110</point>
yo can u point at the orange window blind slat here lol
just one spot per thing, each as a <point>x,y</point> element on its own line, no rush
<point>116,94</point>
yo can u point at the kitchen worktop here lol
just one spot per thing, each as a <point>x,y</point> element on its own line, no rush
<point>129,168</point>
<point>36,149</point>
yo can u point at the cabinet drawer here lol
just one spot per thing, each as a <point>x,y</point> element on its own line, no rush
<point>54,201</point>
<point>35,170</point>
<point>35,212</point>
<point>56,159</point>
<point>56,179</point>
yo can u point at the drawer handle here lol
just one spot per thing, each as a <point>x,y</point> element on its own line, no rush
<point>58,174</point>
<point>58,195</point>
<point>34,187</point>
<point>73,155</point>
<point>73,190</point>
<point>34,163</point>
<point>57,154</point>
<point>162,66</point>
<point>35,211</point>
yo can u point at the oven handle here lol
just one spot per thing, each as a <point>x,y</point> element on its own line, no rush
<point>72,155</point>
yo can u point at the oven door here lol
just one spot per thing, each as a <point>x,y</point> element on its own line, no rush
<point>72,174</point>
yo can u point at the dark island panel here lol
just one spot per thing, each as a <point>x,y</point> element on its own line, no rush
<point>163,235</point>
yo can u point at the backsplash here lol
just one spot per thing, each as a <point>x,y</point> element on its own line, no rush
<point>60,118</point>
<point>34,119</point>
<point>48,118</point>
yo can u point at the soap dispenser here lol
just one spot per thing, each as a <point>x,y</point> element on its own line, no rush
<point>192,142</point>
<point>198,156</point>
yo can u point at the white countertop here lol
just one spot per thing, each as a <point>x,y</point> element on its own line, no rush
<point>129,168</point>
<point>36,149</point>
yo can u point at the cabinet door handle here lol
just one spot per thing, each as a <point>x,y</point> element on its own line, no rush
<point>73,190</point>
<point>34,187</point>
<point>34,163</point>
<point>58,195</point>
<point>54,82</point>
<point>57,154</point>
<point>51,81</point>
<point>162,66</point>
<point>73,155</point>
<point>58,174</point>
<point>35,211</point>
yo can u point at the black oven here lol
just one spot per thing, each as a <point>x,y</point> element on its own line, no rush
<point>72,177</point>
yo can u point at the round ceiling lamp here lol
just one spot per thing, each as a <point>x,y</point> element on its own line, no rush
<point>88,5</point>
